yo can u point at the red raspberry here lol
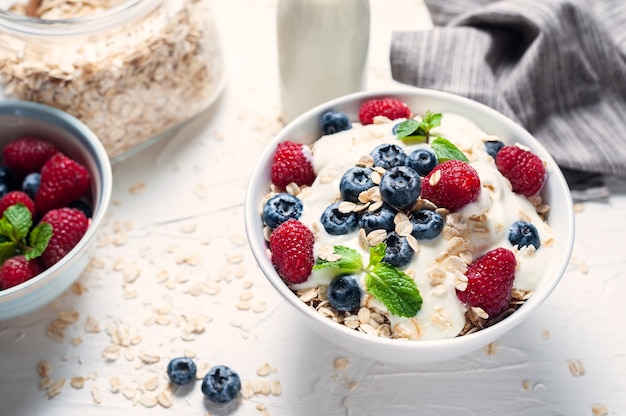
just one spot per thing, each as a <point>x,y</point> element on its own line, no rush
<point>451,184</point>
<point>16,270</point>
<point>391,108</point>
<point>68,227</point>
<point>63,181</point>
<point>15,197</point>
<point>524,169</point>
<point>291,244</point>
<point>28,154</point>
<point>292,163</point>
<point>490,281</point>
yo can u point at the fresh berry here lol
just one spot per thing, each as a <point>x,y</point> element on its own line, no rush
<point>522,168</point>
<point>31,183</point>
<point>292,163</point>
<point>181,370</point>
<point>427,224</point>
<point>8,178</point>
<point>28,154</point>
<point>398,252</point>
<point>334,121</point>
<point>422,161</point>
<point>400,186</point>
<point>68,227</point>
<point>63,180</point>
<point>83,205</point>
<point>221,384</point>
<point>336,222</point>
<point>492,147</point>
<point>388,155</point>
<point>291,244</point>
<point>391,108</point>
<point>523,234</point>
<point>354,181</point>
<point>381,219</point>
<point>344,293</point>
<point>17,197</point>
<point>4,189</point>
<point>489,281</point>
<point>451,185</point>
<point>281,207</point>
<point>16,270</point>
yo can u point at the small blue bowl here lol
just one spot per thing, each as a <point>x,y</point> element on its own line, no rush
<point>77,141</point>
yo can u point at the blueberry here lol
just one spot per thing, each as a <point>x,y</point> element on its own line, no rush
<point>181,370</point>
<point>8,177</point>
<point>281,207</point>
<point>344,293</point>
<point>398,252</point>
<point>523,234</point>
<point>492,147</point>
<point>422,161</point>
<point>4,189</point>
<point>338,223</point>
<point>388,155</point>
<point>400,186</point>
<point>381,219</point>
<point>221,384</point>
<point>334,122</point>
<point>355,181</point>
<point>427,224</point>
<point>31,183</point>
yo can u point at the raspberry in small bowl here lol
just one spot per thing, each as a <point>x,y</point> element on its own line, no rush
<point>428,226</point>
<point>55,187</point>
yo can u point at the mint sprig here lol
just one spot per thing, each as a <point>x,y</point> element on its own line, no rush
<point>446,150</point>
<point>413,132</point>
<point>17,237</point>
<point>386,283</point>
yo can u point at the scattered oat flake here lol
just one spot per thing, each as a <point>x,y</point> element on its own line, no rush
<point>137,188</point>
<point>599,410</point>
<point>491,348</point>
<point>77,382</point>
<point>341,363</point>
<point>264,370</point>
<point>576,367</point>
<point>55,388</point>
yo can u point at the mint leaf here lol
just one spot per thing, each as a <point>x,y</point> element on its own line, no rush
<point>377,253</point>
<point>413,132</point>
<point>20,219</point>
<point>395,289</point>
<point>446,150</point>
<point>7,249</point>
<point>349,262</point>
<point>430,121</point>
<point>38,239</point>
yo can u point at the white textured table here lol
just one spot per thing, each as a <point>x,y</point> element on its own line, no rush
<point>173,276</point>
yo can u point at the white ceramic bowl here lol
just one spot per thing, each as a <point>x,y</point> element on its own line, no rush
<point>78,142</point>
<point>305,129</point>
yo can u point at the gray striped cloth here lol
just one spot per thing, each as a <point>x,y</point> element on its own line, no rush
<point>557,67</point>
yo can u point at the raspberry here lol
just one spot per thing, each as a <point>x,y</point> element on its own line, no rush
<point>391,108</point>
<point>16,270</point>
<point>292,163</point>
<point>28,154</point>
<point>17,197</point>
<point>63,181</point>
<point>523,169</point>
<point>452,185</point>
<point>68,227</point>
<point>489,281</point>
<point>291,244</point>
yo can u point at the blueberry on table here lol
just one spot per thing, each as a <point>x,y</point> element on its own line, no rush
<point>398,252</point>
<point>181,370</point>
<point>344,293</point>
<point>281,207</point>
<point>334,122</point>
<point>388,155</point>
<point>336,222</point>
<point>381,219</point>
<point>492,147</point>
<point>221,384</point>
<point>354,181</point>
<point>427,224</point>
<point>400,186</point>
<point>523,234</point>
<point>422,161</point>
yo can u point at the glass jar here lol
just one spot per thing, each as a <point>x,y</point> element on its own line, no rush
<point>132,70</point>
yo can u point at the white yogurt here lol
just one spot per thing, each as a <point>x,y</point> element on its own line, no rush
<point>442,315</point>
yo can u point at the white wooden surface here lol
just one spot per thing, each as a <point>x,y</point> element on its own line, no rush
<point>176,225</point>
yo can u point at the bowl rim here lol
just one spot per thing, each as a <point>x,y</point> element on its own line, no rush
<point>251,219</point>
<point>94,147</point>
